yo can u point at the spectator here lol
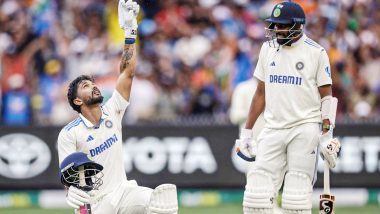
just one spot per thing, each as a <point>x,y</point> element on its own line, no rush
<point>197,51</point>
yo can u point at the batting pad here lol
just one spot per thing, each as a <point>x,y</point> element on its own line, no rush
<point>259,193</point>
<point>297,193</point>
<point>163,200</point>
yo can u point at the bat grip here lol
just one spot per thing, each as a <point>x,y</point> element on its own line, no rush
<point>326,178</point>
<point>85,209</point>
<point>82,209</point>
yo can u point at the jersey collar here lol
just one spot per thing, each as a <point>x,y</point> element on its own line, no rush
<point>88,124</point>
<point>301,40</point>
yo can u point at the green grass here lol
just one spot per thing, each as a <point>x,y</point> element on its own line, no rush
<point>223,209</point>
<point>34,211</point>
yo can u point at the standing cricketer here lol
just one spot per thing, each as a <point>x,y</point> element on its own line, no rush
<point>294,92</point>
<point>240,104</point>
<point>97,132</point>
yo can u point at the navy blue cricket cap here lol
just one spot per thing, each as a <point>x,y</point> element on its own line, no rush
<point>76,160</point>
<point>287,13</point>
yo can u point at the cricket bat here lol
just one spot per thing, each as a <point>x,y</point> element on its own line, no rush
<point>326,200</point>
<point>85,209</point>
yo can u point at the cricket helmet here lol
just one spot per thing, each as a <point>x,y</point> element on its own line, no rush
<point>290,14</point>
<point>75,164</point>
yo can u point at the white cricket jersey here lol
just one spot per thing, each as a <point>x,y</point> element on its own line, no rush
<point>292,75</point>
<point>102,143</point>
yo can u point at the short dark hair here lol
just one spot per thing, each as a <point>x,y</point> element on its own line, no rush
<point>73,90</point>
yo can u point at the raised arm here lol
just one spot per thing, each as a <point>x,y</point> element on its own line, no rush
<point>128,11</point>
<point>127,70</point>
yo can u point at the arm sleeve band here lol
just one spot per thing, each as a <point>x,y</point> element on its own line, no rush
<point>329,105</point>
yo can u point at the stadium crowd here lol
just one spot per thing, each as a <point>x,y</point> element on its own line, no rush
<point>192,53</point>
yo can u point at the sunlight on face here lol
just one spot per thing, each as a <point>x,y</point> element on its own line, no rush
<point>89,93</point>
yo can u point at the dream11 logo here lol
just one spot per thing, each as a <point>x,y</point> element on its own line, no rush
<point>23,156</point>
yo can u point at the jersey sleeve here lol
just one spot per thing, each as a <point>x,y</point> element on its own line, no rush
<point>116,105</point>
<point>259,70</point>
<point>324,70</point>
<point>66,144</point>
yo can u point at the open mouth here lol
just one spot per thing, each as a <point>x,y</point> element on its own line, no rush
<point>96,92</point>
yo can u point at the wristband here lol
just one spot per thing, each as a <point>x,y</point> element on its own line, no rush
<point>130,33</point>
<point>129,41</point>
<point>246,133</point>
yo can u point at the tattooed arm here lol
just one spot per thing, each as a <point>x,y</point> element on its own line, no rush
<point>127,71</point>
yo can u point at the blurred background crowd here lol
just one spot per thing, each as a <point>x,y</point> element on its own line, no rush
<point>191,55</point>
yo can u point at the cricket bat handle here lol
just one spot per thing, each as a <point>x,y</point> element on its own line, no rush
<point>326,200</point>
<point>85,209</point>
<point>326,178</point>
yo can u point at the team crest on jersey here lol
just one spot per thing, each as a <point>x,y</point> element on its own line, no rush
<point>108,124</point>
<point>299,66</point>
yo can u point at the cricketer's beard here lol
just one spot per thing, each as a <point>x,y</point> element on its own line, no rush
<point>94,100</point>
<point>283,41</point>
<point>287,39</point>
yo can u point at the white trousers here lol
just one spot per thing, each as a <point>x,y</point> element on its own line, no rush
<point>282,150</point>
<point>128,198</point>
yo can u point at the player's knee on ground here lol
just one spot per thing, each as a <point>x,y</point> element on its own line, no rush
<point>163,200</point>
<point>297,192</point>
<point>259,193</point>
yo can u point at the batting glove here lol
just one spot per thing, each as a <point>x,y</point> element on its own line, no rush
<point>245,146</point>
<point>128,11</point>
<point>76,197</point>
<point>329,148</point>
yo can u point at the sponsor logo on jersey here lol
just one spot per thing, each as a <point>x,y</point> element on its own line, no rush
<point>273,64</point>
<point>90,138</point>
<point>299,66</point>
<point>104,146</point>
<point>284,79</point>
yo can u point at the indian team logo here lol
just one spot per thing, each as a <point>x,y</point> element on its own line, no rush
<point>108,124</point>
<point>299,65</point>
<point>277,12</point>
